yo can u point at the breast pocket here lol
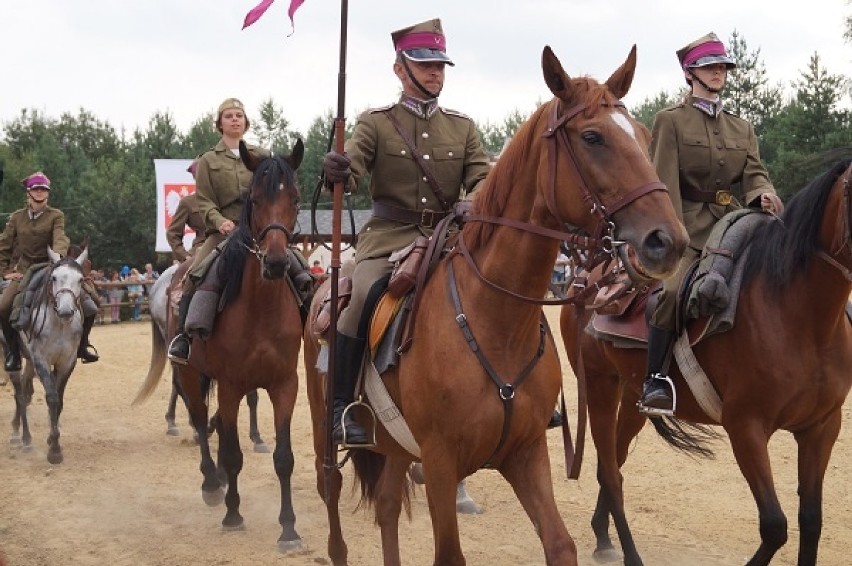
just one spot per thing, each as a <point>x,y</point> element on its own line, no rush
<point>397,164</point>
<point>695,157</point>
<point>221,175</point>
<point>735,157</point>
<point>449,167</point>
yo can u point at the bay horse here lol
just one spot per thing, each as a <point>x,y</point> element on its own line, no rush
<point>163,321</point>
<point>255,339</point>
<point>785,365</point>
<point>577,170</point>
<point>50,342</point>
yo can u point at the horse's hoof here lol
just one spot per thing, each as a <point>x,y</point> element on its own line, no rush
<point>15,441</point>
<point>285,546</point>
<point>468,507</point>
<point>213,498</point>
<point>55,457</point>
<point>241,526</point>
<point>606,555</point>
<point>261,448</point>
<point>172,430</point>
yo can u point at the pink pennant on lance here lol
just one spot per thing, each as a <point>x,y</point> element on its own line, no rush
<point>257,12</point>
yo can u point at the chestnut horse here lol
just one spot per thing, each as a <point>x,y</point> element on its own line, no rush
<point>785,365</point>
<point>256,337</point>
<point>577,170</point>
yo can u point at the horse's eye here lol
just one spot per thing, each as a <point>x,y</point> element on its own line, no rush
<point>592,137</point>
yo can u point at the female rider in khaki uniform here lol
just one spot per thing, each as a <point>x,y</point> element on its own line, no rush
<point>29,231</point>
<point>708,159</point>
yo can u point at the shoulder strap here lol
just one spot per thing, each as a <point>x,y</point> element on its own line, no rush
<point>430,178</point>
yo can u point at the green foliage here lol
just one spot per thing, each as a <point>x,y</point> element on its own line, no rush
<point>104,181</point>
<point>648,108</point>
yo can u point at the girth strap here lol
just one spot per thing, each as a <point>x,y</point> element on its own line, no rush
<point>506,389</point>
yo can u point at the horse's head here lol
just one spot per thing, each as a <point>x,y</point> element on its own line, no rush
<point>272,207</point>
<point>602,179</point>
<point>66,283</point>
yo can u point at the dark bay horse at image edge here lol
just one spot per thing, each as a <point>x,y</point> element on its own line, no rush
<point>578,157</point>
<point>785,365</point>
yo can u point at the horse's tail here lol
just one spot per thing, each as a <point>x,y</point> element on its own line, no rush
<point>368,467</point>
<point>155,367</point>
<point>689,438</point>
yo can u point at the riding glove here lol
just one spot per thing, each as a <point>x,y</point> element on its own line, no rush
<point>335,167</point>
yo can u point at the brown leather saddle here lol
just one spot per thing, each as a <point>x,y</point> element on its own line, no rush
<point>628,325</point>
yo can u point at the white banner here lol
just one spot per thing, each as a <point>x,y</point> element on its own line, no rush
<point>173,183</point>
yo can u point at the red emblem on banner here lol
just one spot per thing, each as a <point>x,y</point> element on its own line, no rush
<point>173,193</point>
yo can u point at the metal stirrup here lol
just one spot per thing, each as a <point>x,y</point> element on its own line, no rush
<point>655,411</point>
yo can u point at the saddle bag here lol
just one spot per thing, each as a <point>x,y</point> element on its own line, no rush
<point>322,322</point>
<point>407,263</point>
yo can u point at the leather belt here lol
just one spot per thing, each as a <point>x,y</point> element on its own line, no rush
<point>722,197</point>
<point>427,218</point>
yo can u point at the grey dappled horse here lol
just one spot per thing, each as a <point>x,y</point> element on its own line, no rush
<point>162,331</point>
<point>50,342</point>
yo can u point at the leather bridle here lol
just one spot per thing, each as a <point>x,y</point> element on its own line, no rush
<point>600,246</point>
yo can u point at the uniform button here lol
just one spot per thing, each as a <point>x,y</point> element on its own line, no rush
<point>718,182</point>
<point>425,179</point>
<point>718,146</point>
<point>721,162</point>
<point>450,153</point>
<point>423,200</point>
<point>426,157</point>
<point>402,152</point>
<point>425,135</point>
<point>716,132</point>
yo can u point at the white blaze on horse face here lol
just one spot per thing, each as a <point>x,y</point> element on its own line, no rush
<point>623,123</point>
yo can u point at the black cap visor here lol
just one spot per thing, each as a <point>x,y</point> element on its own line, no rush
<point>424,55</point>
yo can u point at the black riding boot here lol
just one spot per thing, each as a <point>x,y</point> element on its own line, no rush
<point>86,351</point>
<point>347,362</point>
<point>13,347</point>
<point>303,282</point>
<point>179,348</point>
<point>658,390</point>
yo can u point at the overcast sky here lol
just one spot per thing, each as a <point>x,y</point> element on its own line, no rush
<point>124,60</point>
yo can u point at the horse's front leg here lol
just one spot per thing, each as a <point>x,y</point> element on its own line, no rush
<point>230,456</point>
<point>194,389</point>
<point>254,431</point>
<point>283,399</point>
<point>441,484</point>
<point>528,472</point>
<point>51,397</point>
<point>815,446</point>
<point>749,441</point>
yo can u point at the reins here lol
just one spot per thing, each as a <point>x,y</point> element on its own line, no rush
<point>844,233</point>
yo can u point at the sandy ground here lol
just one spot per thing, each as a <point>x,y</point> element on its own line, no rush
<point>127,494</point>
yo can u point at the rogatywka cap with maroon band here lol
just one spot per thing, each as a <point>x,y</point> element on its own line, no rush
<point>423,42</point>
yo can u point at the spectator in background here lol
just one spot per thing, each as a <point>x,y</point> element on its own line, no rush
<point>186,214</point>
<point>136,293</point>
<point>116,294</point>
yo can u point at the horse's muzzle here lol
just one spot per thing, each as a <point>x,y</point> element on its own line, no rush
<point>275,268</point>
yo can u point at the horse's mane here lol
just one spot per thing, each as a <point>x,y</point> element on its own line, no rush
<point>780,250</point>
<point>492,197</point>
<point>274,172</point>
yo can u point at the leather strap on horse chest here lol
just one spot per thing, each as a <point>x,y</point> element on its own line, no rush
<point>506,389</point>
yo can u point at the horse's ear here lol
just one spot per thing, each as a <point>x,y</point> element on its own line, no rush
<point>620,81</point>
<point>81,259</point>
<point>54,257</point>
<point>250,160</point>
<point>554,74</point>
<point>295,158</point>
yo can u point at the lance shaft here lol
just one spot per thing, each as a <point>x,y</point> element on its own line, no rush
<point>330,461</point>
